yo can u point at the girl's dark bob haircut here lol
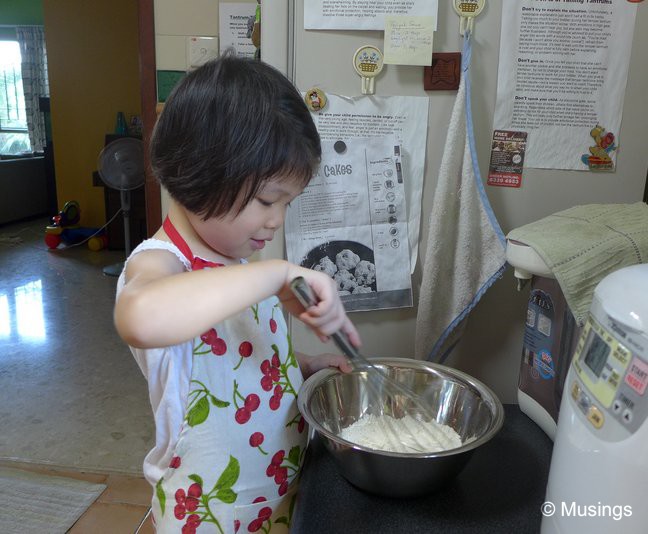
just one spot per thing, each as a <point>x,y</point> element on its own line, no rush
<point>225,129</point>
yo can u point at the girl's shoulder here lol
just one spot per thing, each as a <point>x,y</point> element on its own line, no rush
<point>144,249</point>
<point>159,244</point>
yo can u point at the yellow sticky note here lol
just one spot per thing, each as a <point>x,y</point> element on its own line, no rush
<point>408,40</point>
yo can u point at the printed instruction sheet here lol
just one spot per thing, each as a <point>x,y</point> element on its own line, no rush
<point>362,14</point>
<point>233,27</point>
<point>562,76</point>
<point>350,223</point>
<point>406,118</point>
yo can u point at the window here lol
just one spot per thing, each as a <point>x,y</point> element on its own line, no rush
<point>14,138</point>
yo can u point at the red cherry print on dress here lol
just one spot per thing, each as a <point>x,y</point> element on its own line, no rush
<point>274,403</point>
<point>188,501</point>
<point>275,374</point>
<point>237,525</point>
<point>242,415</point>
<point>278,457</point>
<point>266,383</point>
<point>194,490</point>
<point>192,524</point>
<point>280,476</point>
<point>283,488</point>
<point>209,337</point>
<point>276,362</point>
<point>179,511</point>
<point>263,515</point>
<point>256,439</point>
<point>255,525</point>
<point>219,347</point>
<point>245,349</point>
<point>192,503</point>
<point>259,499</point>
<point>175,462</point>
<point>273,326</point>
<point>301,425</point>
<point>252,402</point>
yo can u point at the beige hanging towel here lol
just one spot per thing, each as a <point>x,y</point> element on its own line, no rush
<point>466,249</point>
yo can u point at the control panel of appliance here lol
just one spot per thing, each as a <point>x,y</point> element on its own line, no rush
<point>609,380</point>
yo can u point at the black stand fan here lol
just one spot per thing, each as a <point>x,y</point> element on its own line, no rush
<point>121,167</point>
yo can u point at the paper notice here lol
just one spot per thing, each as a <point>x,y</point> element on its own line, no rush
<point>351,223</point>
<point>405,117</point>
<point>233,27</point>
<point>507,158</point>
<point>362,14</point>
<point>562,77</point>
<point>408,40</point>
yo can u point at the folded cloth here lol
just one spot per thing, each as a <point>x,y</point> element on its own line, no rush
<point>583,244</point>
<point>466,249</point>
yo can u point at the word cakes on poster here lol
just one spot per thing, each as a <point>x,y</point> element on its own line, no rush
<point>507,158</point>
<point>600,154</point>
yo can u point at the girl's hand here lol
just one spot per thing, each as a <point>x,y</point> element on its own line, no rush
<point>312,364</point>
<point>328,315</point>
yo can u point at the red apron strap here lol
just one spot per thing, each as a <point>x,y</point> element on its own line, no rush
<point>177,239</point>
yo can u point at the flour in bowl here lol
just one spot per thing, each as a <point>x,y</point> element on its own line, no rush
<point>404,435</point>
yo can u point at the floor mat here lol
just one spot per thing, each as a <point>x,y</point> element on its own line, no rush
<point>35,503</point>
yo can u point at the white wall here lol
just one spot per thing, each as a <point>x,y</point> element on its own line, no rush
<point>175,22</point>
<point>490,349</point>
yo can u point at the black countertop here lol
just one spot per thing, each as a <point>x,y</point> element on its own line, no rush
<point>500,490</point>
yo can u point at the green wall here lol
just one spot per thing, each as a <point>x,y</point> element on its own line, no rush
<point>18,13</point>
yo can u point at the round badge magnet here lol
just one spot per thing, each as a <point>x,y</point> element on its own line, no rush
<point>315,99</point>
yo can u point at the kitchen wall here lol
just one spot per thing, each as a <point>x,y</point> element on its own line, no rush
<point>93,59</point>
<point>491,346</point>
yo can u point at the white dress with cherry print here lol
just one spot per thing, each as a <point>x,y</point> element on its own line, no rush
<point>240,451</point>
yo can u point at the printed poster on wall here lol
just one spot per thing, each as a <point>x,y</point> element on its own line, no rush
<point>562,76</point>
<point>351,223</point>
<point>362,14</point>
<point>406,118</point>
<point>233,27</point>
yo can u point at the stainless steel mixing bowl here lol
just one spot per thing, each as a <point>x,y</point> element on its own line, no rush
<point>330,401</point>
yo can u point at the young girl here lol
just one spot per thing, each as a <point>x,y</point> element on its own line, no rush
<point>233,146</point>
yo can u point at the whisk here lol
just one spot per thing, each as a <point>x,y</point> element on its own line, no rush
<point>380,385</point>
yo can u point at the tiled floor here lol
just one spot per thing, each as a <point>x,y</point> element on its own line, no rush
<point>73,401</point>
<point>122,508</point>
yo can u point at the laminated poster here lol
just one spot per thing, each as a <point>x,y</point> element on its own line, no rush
<point>350,223</point>
<point>562,76</point>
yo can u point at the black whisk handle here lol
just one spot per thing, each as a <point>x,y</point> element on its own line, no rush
<point>305,296</point>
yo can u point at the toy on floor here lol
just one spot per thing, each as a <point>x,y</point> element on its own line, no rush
<point>64,229</point>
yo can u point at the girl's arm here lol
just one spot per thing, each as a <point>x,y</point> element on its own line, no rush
<point>163,305</point>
